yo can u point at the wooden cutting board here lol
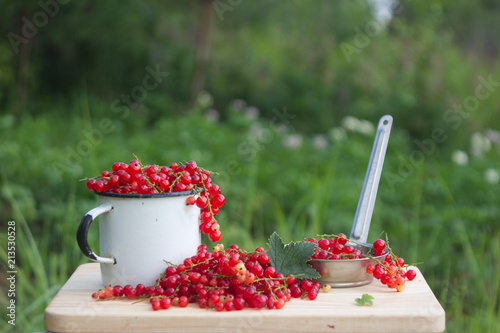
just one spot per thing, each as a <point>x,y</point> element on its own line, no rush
<point>416,309</point>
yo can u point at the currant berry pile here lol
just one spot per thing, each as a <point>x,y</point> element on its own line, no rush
<point>224,280</point>
<point>334,248</point>
<point>135,178</point>
<point>391,271</point>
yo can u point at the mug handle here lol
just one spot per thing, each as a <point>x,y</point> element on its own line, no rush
<point>83,229</point>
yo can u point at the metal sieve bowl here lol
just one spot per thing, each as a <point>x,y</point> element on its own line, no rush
<point>344,273</point>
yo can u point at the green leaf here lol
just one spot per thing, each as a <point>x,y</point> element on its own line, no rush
<point>366,299</point>
<point>291,258</point>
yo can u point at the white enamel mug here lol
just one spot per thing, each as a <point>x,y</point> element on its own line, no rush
<point>137,232</point>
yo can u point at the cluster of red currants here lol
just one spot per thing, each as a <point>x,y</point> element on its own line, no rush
<point>334,248</point>
<point>228,280</point>
<point>392,271</point>
<point>134,178</point>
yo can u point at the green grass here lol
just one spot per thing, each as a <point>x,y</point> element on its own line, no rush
<point>442,214</point>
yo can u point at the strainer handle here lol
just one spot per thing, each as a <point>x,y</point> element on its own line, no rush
<point>364,211</point>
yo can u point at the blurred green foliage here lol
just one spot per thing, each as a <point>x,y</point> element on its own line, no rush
<point>274,178</point>
<point>295,91</point>
<point>327,60</point>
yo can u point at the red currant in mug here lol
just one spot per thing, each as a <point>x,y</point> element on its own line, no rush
<point>215,236</point>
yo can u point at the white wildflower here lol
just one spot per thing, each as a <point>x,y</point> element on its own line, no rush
<point>366,127</point>
<point>338,134</point>
<point>491,176</point>
<point>320,142</point>
<point>479,144</point>
<point>212,115</point>
<point>353,124</point>
<point>350,123</point>
<point>204,100</point>
<point>493,136</point>
<point>460,157</point>
<point>251,112</point>
<point>280,128</point>
<point>293,141</point>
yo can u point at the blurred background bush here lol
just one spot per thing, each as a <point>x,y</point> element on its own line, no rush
<point>280,97</point>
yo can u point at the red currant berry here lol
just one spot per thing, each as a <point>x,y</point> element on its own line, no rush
<point>249,278</point>
<point>219,306</point>
<point>400,262</point>
<point>323,244</point>
<point>155,304</point>
<point>183,301</point>
<point>378,272</point>
<point>379,245</point>
<point>400,282</point>
<point>239,303</point>
<point>139,178</point>
<point>154,179</point>
<point>257,270</point>
<point>206,228</point>
<point>101,293</point>
<point>150,169</point>
<point>279,303</point>
<point>263,259</point>
<point>291,279</point>
<point>219,200</point>
<point>270,272</point>
<point>385,279</point>
<point>391,282</point>
<point>260,301</point>
<point>295,291</point>
<point>91,183</point>
<point>134,167</point>
<point>202,303</point>
<point>312,294</point>
<point>201,202</point>
<point>179,187</point>
<point>215,236</point>
<point>341,239</point>
<point>234,259</point>
<point>411,274</point>
<point>170,270</point>
<point>165,302</point>
<point>141,289</point>
<point>185,178</point>
<point>191,167</point>
<point>348,249</point>
<point>116,166</point>
<point>337,248</point>
<point>229,306</point>
<point>306,285</point>
<point>100,186</point>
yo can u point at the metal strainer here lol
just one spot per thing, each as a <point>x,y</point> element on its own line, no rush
<point>352,272</point>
